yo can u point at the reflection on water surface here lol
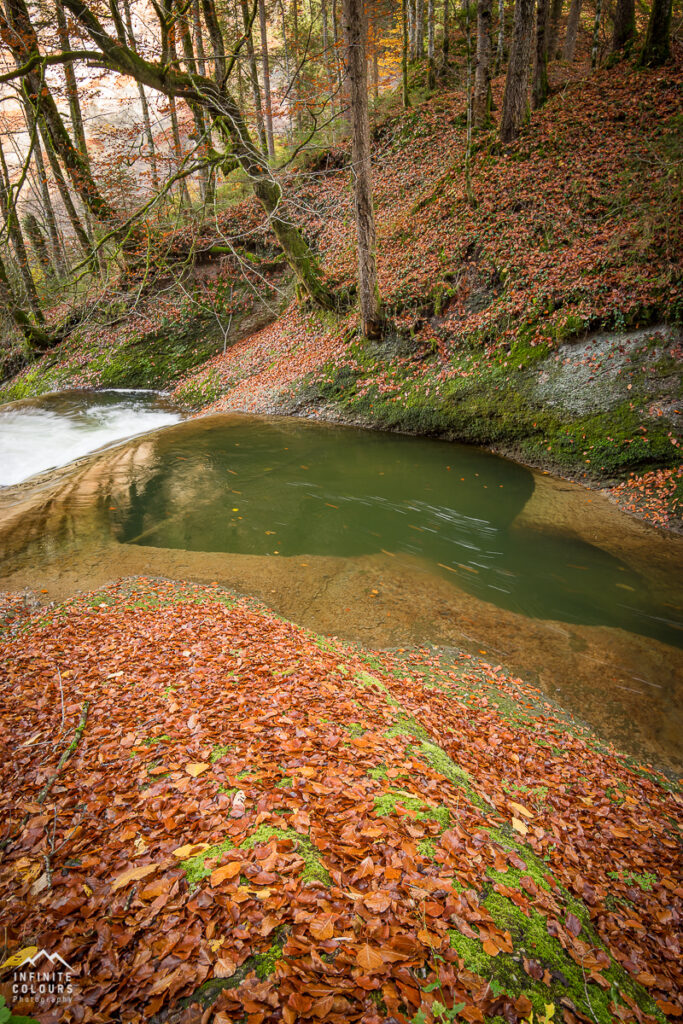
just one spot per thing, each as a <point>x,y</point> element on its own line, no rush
<point>269,487</point>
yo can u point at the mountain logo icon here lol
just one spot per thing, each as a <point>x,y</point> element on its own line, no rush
<point>54,959</point>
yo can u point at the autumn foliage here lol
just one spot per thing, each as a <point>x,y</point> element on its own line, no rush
<point>256,824</point>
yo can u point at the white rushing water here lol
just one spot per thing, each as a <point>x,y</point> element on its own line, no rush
<point>53,430</point>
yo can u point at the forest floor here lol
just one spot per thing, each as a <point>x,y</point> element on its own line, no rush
<point>538,316</point>
<point>256,823</point>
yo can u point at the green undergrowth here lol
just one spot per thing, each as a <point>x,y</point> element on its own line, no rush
<point>313,871</point>
<point>506,402</point>
<point>155,359</point>
<point>563,978</point>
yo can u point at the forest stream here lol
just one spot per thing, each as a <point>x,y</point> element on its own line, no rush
<point>386,540</point>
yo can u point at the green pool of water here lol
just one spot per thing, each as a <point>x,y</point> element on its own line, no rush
<point>284,488</point>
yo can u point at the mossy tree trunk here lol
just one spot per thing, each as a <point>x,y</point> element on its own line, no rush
<point>657,48</point>
<point>36,337</point>
<point>227,119</point>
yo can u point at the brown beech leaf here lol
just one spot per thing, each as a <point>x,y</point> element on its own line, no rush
<point>132,875</point>
<point>369,959</point>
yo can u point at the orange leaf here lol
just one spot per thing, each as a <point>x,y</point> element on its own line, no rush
<point>226,872</point>
<point>132,875</point>
<point>369,959</point>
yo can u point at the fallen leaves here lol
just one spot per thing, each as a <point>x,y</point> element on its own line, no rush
<point>344,881</point>
<point>132,875</point>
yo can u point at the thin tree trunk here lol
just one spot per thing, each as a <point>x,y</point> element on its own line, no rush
<point>657,48</point>
<point>481,107</point>
<point>515,101</point>
<point>572,30</point>
<point>171,57</point>
<point>500,51</point>
<point>411,28</point>
<point>63,189</point>
<point>285,50</point>
<point>198,37</point>
<point>595,48</point>
<point>35,336</point>
<point>405,7</point>
<point>540,90</point>
<point>419,29</point>
<point>337,62</point>
<point>266,79</point>
<point>355,32</point>
<point>431,72</point>
<point>469,192</point>
<point>554,33</point>
<point>197,112</point>
<point>58,259</point>
<point>39,246</point>
<point>71,83</point>
<point>295,84</point>
<point>253,76</point>
<point>9,213</point>
<point>144,107</point>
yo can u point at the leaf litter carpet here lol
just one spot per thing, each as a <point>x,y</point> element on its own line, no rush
<point>257,824</point>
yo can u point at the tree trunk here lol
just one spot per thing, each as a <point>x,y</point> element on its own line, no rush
<point>58,260</point>
<point>229,122</point>
<point>200,129</point>
<point>500,50</point>
<point>624,25</point>
<point>419,29</point>
<point>171,57</point>
<point>71,84</point>
<point>285,49</point>
<point>515,102</point>
<point>253,75</point>
<point>63,189</point>
<point>657,48</point>
<point>354,29</point>
<point>540,89</point>
<point>595,48</point>
<point>266,79</point>
<point>411,28</point>
<point>431,73</point>
<point>405,7</point>
<point>446,42</point>
<point>9,212</point>
<point>144,106</point>
<point>35,336</point>
<point>198,37</point>
<point>572,30</point>
<point>39,246</point>
<point>554,33</point>
<point>481,106</point>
